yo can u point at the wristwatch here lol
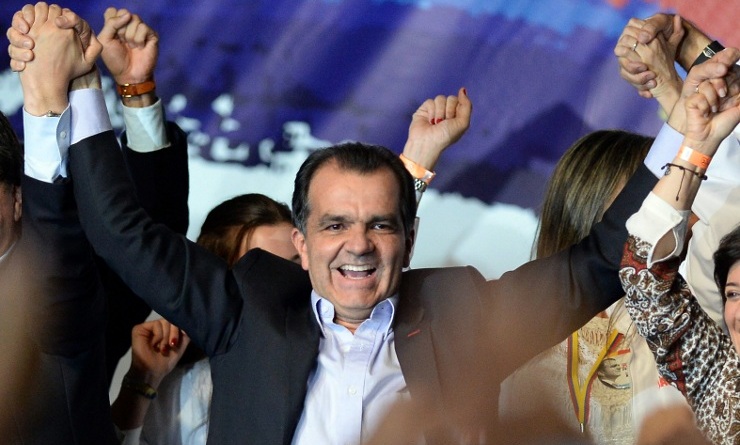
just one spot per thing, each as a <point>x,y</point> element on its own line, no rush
<point>420,185</point>
<point>708,52</point>
<point>136,89</point>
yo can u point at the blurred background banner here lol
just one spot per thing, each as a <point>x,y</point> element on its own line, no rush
<point>258,84</point>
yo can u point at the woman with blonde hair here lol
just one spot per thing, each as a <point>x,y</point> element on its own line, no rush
<point>596,375</point>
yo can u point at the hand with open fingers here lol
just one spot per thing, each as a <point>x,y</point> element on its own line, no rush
<point>706,127</point>
<point>130,47</point>
<point>437,124</point>
<point>707,123</point>
<point>156,347</point>
<point>717,79</point>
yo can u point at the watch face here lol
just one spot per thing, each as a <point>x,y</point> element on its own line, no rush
<point>713,48</point>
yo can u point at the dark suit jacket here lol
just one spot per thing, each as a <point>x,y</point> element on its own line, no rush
<point>255,322</point>
<point>68,403</point>
<point>161,181</point>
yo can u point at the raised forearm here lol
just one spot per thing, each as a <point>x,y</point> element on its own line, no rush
<point>692,45</point>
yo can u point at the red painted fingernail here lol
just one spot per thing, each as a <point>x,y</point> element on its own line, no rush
<point>465,91</point>
<point>173,342</point>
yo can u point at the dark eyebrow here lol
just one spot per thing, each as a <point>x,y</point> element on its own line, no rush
<point>391,217</point>
<point>332,219</point>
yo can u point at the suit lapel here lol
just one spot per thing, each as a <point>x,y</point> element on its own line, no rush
<point>302,333</point>
<point>415,348</point>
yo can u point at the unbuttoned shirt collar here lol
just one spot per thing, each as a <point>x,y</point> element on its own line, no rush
<point>356,380</point>
<point>381,316</point>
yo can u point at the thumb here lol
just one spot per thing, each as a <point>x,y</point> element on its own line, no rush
<point>184,340</point>
<point>464,105</point>
<point>114,20</point>
<point>63,22</point>
<point>93,50</point>
<point>678,32</point>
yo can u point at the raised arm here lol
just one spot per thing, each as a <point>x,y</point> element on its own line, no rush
<point>437,124</point>
<point>685,43</point>
<point>690,46</point>
<point>649,66</point>
<point>156,347</point>
<point>689,348</point>
<point>70,394</point>
<point>155,152</point>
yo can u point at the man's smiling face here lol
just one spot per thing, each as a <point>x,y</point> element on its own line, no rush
<point>354,246</point>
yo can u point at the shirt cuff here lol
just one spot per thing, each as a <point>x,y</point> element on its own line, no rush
<point>89,114</point>
<point>129,437</point>
<point>47,141</point>
<point>654,219</point>
<point>145,129</point>
<point>663,150</point>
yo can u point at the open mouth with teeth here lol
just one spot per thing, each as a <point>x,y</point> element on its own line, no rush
<point>356,272</point>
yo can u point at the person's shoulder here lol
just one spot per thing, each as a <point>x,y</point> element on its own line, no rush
<point>441,273</point>
<point>440,282</point>
<point>270,274</point>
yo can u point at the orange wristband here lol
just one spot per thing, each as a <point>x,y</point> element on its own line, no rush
<point>417,171</point>
<point>136,89</point>
<point>693,157</point>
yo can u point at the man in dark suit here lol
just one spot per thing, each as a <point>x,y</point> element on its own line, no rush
<point>69,401</point>
<point>319,357</point>
<point>16,359</point>
<point>155,154</point>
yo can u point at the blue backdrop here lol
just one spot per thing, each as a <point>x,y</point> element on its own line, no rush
<point>258,84</point>
<point>540,74</point>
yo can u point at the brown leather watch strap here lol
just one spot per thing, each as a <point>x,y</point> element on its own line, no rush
<point>136,89</point>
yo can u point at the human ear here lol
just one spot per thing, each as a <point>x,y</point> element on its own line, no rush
<point>18,204</point>
<point>409,248</point>
<point>299,242</point>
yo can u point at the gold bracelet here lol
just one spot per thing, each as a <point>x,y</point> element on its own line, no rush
<point>141,388</point>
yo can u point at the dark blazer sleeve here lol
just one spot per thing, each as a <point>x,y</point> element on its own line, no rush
<point>176,277</point>
<point>161,182</point>
<point>540,303</point>
<point>161,179</point>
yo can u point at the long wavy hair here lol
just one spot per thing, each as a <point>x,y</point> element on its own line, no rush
<point>586,180</point>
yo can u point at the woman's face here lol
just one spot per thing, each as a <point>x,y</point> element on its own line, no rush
<point>732,305</point>
<point>275,239</point>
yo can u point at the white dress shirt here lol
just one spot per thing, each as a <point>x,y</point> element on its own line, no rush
<point>356,381</point>
<point>47,139</point>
